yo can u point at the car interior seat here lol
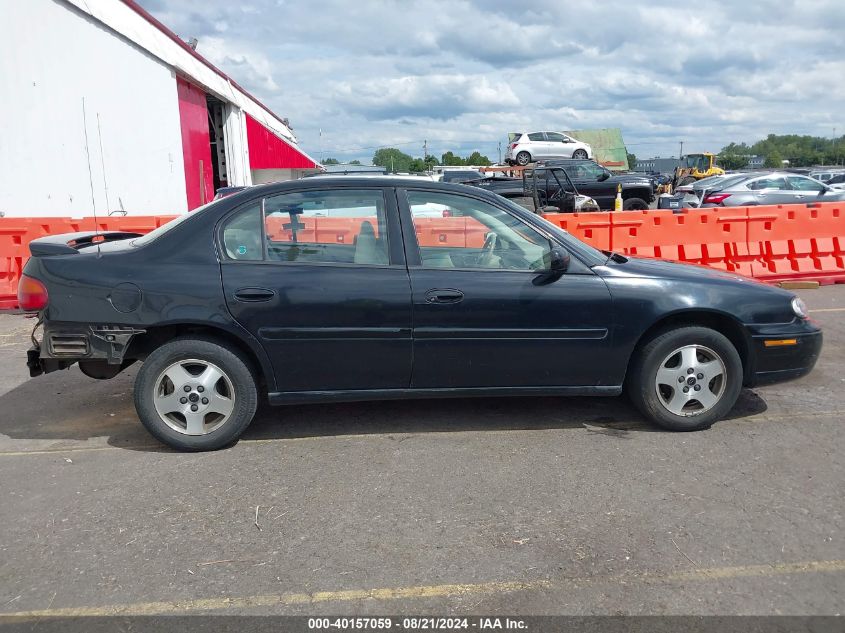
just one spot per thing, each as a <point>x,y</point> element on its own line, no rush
<point>367,249</point>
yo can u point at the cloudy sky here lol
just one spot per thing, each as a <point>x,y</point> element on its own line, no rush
<point>462,74</point>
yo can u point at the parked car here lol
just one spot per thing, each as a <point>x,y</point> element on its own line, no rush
<point>461,175</point>
<point>837,182</point>
<point>528,147</point>
<point>506,186</point>
<point>700,188</point>
<point>826,175</point>
<point>770,188</point>
<point>244,300</point>
<point>597,182</point>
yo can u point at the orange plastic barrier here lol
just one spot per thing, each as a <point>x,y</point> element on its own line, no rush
<point>789,242</point>
<point>17,233</point>
<point>772,243</point>
<point>592,228</point>
<point>710,237</point>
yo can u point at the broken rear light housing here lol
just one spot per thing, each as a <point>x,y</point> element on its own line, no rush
<point>32,294</point>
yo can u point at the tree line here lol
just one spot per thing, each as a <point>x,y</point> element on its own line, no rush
<point>800,151</point>
<point>398,161</point>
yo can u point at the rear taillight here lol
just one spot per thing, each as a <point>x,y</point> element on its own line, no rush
<point>717,198</point>
<point>513,145</point>
<point>32,294</point>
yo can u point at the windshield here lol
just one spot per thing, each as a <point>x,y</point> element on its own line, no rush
<point>700,162</point>
<point>164,228</point>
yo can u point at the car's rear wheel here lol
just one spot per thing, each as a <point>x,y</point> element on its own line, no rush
<point>580,154</point>
<point>635,204</point>
<point>686,378</point>
<point>196,394</point>
<point>523,158</point>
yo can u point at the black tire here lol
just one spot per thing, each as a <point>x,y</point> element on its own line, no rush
<point>236,371</point>
<point>634,204</point>
<point>580,154</point>
<point>641,382</point>
<point>686,181</point>
<point>523,158</point>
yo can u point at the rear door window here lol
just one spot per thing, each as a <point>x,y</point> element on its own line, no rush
<point>331,227</point>
<point>343,226</point>
<point>536,136</point>
<point>769,183</point>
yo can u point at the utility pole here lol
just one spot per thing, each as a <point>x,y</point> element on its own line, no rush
<point>425,150</point>
<point>499,145</point>
<point>681,151</point>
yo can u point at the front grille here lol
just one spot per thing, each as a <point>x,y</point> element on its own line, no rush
<point>68,344</point>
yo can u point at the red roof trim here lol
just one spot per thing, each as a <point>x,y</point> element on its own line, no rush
<point>137,8</point>
<point>268,151</point>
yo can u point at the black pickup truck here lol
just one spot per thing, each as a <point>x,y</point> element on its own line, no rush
<point>597,182</point>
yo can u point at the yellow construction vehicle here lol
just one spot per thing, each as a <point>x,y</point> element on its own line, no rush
<point>695,167</point>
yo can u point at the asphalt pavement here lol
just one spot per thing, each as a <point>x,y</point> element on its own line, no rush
<point>518,505</point>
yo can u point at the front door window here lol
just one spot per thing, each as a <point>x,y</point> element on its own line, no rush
<point>460,232</point>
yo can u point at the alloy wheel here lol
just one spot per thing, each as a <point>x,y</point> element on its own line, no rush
<point>194,397</point>
<point>691,380</point>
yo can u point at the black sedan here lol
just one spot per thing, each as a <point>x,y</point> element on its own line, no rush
<point>348,288</point>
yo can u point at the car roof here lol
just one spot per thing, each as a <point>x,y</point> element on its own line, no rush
<point>351,181</point>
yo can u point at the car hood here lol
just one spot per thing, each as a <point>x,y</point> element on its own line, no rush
<point>664,269</point>
<point>629,179</point>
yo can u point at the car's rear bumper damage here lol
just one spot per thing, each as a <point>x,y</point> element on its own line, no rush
<point>102,348</point>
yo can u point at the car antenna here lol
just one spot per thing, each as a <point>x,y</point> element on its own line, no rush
<point>90,176</point>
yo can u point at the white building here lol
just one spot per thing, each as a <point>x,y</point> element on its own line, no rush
<point>105,109</point>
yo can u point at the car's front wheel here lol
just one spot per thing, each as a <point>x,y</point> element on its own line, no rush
<point>523,158</point>
<point>196,394</point>
<point>686,378</point>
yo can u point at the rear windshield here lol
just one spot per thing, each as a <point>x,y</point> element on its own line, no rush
<point>730,181</point>
<point>164,228</point>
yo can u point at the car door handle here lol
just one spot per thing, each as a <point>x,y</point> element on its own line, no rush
<point>444,295</point>
<point>254,295</point>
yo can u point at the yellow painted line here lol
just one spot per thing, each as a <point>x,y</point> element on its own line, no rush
<point>288,599</point>
<point>432,591</point>
<point>748,571</point>
<point>634,424</point>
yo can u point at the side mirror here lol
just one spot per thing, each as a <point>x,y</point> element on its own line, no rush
<point>604,176</point>
<point>558,264</point>
<point>558,260</point>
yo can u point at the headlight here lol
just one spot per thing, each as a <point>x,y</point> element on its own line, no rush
<point>799,307</point>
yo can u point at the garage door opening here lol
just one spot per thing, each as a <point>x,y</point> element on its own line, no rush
<point>220,176</point>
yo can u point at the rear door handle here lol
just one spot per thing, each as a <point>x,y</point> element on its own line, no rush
<point>444,295</point>
<point>254,295</point>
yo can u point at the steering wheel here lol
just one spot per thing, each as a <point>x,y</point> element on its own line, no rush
<point>487,249</point>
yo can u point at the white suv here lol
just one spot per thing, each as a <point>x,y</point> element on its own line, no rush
<point>526,147</point>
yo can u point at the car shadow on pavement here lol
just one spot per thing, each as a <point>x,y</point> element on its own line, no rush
<point>67,407</point>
